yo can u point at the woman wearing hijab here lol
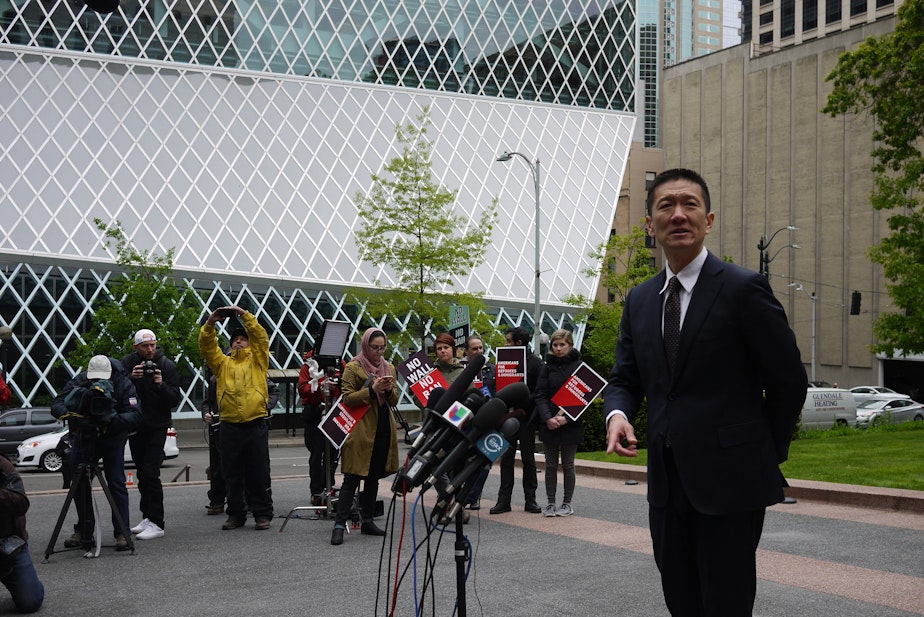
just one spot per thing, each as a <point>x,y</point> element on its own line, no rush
<point>370,451</point>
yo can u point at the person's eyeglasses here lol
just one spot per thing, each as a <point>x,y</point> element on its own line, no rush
<point>377,347</point>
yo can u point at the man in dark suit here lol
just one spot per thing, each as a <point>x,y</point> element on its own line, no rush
<point>723,401</point>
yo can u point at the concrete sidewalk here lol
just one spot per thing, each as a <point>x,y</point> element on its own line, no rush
<point>815,559</point>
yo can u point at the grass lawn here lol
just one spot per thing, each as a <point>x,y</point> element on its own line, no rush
<point>890,456</point>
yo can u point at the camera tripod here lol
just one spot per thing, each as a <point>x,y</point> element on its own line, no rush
<point>86,471</point>
<point>327,503</point>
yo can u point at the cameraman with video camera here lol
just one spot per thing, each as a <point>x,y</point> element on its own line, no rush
<point>101,407</point>
<point>155,379</point>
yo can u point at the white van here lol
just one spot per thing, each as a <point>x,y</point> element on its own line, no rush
<point>825,407</point>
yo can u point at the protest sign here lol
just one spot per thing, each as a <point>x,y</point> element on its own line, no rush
<point>421,376</point>
<point>579,391</point>
<point>340,420</point>
<point>511,366</point>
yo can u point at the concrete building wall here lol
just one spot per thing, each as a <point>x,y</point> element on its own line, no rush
<point>754,129</point>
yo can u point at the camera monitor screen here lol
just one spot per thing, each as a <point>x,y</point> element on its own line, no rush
<point>332,339</point>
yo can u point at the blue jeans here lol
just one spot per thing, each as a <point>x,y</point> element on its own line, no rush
<point>112,452</point>
<point>22,581</point>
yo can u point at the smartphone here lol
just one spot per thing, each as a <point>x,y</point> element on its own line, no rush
<point>225,313</point>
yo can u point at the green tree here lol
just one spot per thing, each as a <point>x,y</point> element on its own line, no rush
<point>144,296</point>
<point>882,77</point>
<point>622,262</point>
<point>409,226</point>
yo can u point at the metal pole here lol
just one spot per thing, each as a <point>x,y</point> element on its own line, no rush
<point>761,246</point>
<point>534,169</point>
<point>813,335</point>
<point>536,309</point>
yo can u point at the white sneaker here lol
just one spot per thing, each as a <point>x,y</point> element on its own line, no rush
<point>565,510</point>
<point>141,526</point>
<point>549,510</point>
<point>153,531</point>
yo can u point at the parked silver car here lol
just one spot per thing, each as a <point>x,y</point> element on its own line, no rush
<point>22,423</point>
<point>875,411</point>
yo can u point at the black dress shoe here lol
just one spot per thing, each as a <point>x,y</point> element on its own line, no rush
<point>336,537</point>
<point>500,508</point>
<point>532,507</point>
<point>369,528</point>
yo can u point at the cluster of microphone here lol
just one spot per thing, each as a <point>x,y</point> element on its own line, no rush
<point>462,434</point>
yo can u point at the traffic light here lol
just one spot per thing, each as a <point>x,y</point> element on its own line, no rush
<point>855,303</point>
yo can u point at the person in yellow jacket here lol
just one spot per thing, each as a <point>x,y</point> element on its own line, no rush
<point>240,382</point>
<point>370,451</point>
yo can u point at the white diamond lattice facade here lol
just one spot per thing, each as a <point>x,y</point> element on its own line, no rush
<point>242,143</point>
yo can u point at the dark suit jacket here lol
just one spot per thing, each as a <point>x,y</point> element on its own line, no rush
<point>729,410</point>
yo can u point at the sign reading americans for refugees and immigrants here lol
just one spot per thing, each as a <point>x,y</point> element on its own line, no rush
<point>340,420</point>
<point>511,366</point>
<point>579,391</point>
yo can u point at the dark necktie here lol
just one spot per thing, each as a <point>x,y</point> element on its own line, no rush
<point>672,321</point>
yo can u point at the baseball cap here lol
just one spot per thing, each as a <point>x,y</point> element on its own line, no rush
<point>99,367</point>
<point>144,335</point>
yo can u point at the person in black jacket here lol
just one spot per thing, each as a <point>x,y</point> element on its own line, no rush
<point>525,437</point>
<point>17,572</point>
<point>106,430</point>
<point>560,435</point>
<point>158,386</point>
<point>714,445</point>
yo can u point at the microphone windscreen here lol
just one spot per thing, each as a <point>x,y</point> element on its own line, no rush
<point>102,6</point>
<point>510,427</point>
<point>490,416</point>
<point>457,388</point>
<point>435,395</point>
<point>515,394</point>
<point>474,399</point>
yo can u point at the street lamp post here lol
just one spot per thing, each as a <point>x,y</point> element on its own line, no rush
<point>814,299</point>
<point>534,170</point>
<point>764,244</point>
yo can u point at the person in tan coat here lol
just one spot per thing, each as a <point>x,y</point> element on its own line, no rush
<point>370,451</point>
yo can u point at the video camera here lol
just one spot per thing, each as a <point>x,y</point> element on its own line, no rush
<point>93,403</point>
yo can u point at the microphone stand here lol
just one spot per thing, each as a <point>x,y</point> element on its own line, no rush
<point>462,556</point>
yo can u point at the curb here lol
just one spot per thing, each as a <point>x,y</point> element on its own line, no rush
<point>874,497</point>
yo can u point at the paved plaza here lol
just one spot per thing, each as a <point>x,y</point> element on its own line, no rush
<point>816,559</point>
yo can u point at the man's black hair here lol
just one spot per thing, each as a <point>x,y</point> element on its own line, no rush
<point>678,173</point>
<point>519,335</point>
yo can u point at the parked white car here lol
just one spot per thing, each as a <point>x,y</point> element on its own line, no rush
<point>41,451</point>
<point>894,410</point>
<point>865,393</point>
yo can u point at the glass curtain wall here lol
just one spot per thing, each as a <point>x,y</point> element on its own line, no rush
<point>562,52</point>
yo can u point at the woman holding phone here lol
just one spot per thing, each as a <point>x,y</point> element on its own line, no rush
<point>370,451</point>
